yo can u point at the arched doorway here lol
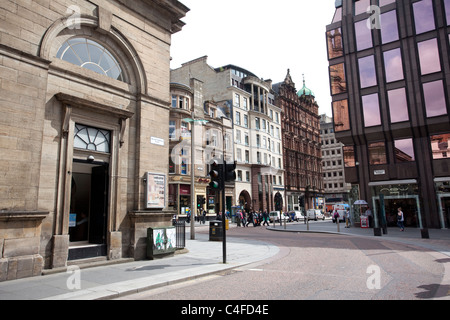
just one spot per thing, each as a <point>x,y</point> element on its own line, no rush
<point>278,201</point>
<point>245,200</point>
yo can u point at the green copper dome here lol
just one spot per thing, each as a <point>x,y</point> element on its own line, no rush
<point>305,91</point>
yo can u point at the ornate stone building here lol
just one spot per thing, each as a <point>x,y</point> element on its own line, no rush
<point>85,103</point>
<point>301,145</point>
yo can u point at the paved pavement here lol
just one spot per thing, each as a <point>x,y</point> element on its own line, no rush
<point>203,258</point>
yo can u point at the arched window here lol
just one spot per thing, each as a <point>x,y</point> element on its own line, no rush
<point>89,138</point>
<point>91,55</point>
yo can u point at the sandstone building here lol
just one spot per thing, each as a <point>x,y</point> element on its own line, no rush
<point>85,101</point>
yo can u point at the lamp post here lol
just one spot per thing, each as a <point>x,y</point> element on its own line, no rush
<point>193,122</point>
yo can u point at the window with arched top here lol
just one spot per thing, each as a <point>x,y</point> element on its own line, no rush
<point>89,138</point>
<point>91,55</point>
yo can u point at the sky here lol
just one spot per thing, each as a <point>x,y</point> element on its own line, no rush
<point>265,37</point>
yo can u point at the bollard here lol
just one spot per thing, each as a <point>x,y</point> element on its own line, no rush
<point>337,222</point>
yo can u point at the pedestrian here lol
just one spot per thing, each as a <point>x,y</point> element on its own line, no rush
<point>265,218</point>
<point>347,219</point>
<point>204,216</point>
<point>400,219</point>
<point>336,216</point>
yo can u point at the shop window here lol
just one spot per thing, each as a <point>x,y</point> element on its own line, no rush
<point>393,65</point>
<point>91,55</point>
<point>404,150</point>
<point>440,146</point>
<point>389,27</point>
<point>429,56</point>
<point>367,74</point>
<point>434,98</point>
<point>337,79</point>
<point>423,16</point>
<point>341,116</point>
<point>377,153</point>
<point>89,138</point>
<point>371,110</point>
<point>398,105</point>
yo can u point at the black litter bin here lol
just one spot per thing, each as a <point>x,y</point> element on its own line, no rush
<point>215,230</point>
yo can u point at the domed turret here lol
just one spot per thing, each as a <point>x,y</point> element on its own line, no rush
<point>305,91</point>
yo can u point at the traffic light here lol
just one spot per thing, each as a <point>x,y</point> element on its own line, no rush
<point>216,175</point>
<point>230,172</point>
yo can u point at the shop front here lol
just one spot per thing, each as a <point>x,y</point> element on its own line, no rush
<point>389,196</point>
<point>443,197</point>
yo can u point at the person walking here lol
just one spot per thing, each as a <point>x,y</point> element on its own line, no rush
<point>400,219</point>
<point>265,217</point>
<point>347,219</point>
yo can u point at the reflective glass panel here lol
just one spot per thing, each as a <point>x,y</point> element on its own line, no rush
<point>386,2</point>
<point>404,150</point>
<point>440,146</point>
<point>334,41</point>
<point>393,65</point>
<point>389,27</point>
<point>434,98</point>
<point>361,6</point>
<point>429,56</point>
<point>363,35</point>
<point>340,116</point>
<point>447,10</point>
<point>423,16</point>
<point>337,79</point>
<point>398,105</point>
<point>349,156</point>
<point>367,75</point>
<point>371,110</point>
<point>377,153</point>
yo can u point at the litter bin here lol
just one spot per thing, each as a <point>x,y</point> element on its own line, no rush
<point>215,230</point>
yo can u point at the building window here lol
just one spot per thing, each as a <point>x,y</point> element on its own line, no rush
<point>349,156</point>
<point>361,6</point>
<point>367,74</point>
<point>337,79</point>
<point>447,10</point>
<point>90,55</point>
<point>393,65</point>
<point>363,35</point>
<point>238,118</point>
<point>386,2</point>
<point>172,129</point>
<point>423,16</point>
<point>398,106</point>
<point>404,150</point>
<point>89,138</point>
<point>371,110</point>
<point>377,153</point>
<point>237,100</point>
<point>440,146</point>
<point>337,15</point>
<point>174,101</point>
<point>334,41</point>
<point>434,98</point>
<point>341,116</point>
<point>429,56</point>
<point>389,27</point>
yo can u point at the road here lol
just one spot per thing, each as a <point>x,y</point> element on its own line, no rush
<point>320,267</point>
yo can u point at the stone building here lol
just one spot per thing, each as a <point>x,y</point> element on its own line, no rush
<point>256,128</point>
<point>83,134</point>
<point>301,145</point>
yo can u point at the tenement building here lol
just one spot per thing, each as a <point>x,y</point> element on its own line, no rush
<point>256,131</point>
<point>336,190</point>
<point>390,75</point>
<point>85,101</point>
<point>301,145</point>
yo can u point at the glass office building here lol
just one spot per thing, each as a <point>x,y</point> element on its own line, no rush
<point>389,80</point>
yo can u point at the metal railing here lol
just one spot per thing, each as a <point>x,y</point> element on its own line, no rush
<point>180,228</point>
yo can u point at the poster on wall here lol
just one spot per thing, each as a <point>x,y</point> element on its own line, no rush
<point>156,191</point>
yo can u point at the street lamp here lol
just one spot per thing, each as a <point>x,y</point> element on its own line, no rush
<point>193,121</point>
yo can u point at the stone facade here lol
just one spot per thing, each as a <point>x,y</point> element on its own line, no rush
<point>44,98</point>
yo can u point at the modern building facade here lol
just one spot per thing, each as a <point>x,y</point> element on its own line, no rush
<point>389,74</point>
<point>301,145</point>
<point>213,136</point>
<point>256,129</point>
<point>85,102</point>
<point>336,190</point>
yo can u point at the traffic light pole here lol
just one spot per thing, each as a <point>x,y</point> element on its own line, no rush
<point>224,243</point>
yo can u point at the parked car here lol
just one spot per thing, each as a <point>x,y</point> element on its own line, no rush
<point>314,214</point>
<point>296,215</point>
<point>274,216</point>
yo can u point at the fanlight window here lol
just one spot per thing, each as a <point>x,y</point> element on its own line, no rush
<point>90,55</point>
<point>89,138</point>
